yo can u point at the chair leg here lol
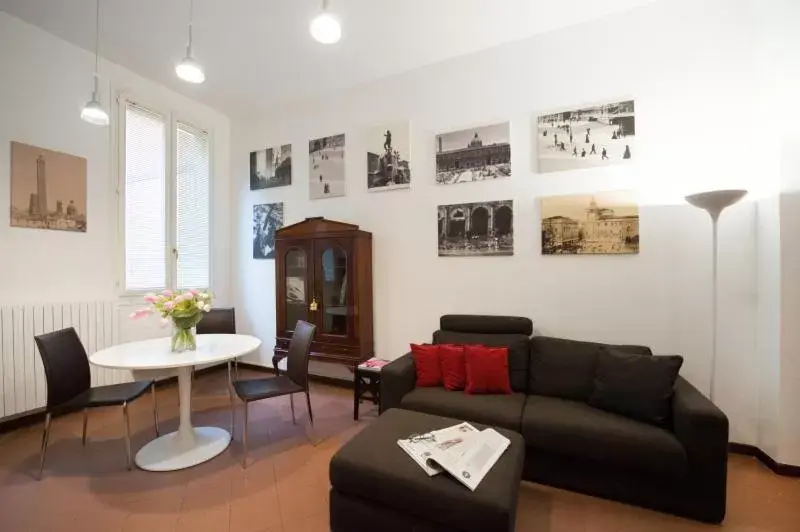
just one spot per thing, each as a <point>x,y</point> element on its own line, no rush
<point>85,422</point>
<point>244,438</point>
<point>155,408</point>
<point>45,438</point>
<point>127,434</point>
<point>308,403</point>
<point>230,394</point>
<point>291,402</point>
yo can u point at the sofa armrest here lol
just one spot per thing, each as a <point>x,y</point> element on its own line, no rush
<point>700,426</point>
<point>397,379</point>
<point>702,429</point>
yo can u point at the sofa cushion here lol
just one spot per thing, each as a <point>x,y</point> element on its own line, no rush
<point>487,369</point>
<point>474,323</point>
<point>426,363</point>
<point>518,351</point>
<point>496,410</point>
<point>577,430</point>
<point>566,368</point>
<point>454,366</point>
<point>635,386</point>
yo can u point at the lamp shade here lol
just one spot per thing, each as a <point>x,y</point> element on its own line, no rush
<point>326,28</point>
<point>715,201</point>
<point>94,113</point>
<point>190,70</point>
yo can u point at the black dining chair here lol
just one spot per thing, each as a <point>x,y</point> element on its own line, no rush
<point>69,387</point>
<point>295,380</point>
<point>221,321</point>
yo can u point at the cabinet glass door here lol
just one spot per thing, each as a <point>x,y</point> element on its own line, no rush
<point>334,291</point>
<point>296,274</point>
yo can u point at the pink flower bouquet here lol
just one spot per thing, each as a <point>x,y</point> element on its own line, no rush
<point>183,309</point>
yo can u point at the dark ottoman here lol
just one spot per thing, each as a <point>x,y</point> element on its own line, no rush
<point>375,485</point>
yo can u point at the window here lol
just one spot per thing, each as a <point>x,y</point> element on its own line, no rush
<point>165,189</point>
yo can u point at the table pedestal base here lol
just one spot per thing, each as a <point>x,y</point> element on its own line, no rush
<point>178,450</point>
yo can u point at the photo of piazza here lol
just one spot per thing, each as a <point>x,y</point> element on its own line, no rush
<point>476,229</point>
<point>48,189</point>
<point>475,154</point>
<point>604,223</point>
<point>326,167</point>
<point>599,135</point>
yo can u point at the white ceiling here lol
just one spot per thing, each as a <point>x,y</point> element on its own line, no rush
<point>258,53</point>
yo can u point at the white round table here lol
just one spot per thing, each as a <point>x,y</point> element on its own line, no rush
<point>189,445</point>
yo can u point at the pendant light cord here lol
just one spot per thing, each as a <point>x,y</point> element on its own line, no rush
<point>96,45</point>
<point>325,4</point>
<point>191,19</point>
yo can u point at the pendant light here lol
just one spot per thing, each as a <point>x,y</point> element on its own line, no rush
<point>325,27</point>
<point>93,112</point>
<point>189,69</point>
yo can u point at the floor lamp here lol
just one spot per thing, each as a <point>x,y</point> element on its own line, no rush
<point>714,203</point>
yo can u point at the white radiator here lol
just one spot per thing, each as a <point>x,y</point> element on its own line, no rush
<point>23,386</point>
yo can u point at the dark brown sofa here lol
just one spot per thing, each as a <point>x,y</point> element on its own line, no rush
<point>680,468</point>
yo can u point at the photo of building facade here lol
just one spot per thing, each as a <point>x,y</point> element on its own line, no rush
<point>476,229</point>
<point>271,167</point>
<point>606,223</point>
<point>473,154</point>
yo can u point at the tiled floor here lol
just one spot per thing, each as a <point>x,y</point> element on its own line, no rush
<point>285,487</point>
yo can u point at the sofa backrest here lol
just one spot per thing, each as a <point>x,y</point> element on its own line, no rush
<point>565,368</point>
<point>493,331</point>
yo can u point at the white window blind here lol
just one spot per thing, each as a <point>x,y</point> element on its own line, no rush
<point>192,190</point>
<point>145,199</point>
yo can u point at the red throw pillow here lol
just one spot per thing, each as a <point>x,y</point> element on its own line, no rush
<point>426,361</point>
<point>487,369</point>
<point>454,366</point>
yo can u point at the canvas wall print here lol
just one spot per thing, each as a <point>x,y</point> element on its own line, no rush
<point>592,136</point>
<point>271,167</point>
<point>591,224</point>
<point>476,229</point>
<point>326,167</point>
<point>48,189</point>
<point>388,157</point>
<point>475,154</point>
<point>267,218</point>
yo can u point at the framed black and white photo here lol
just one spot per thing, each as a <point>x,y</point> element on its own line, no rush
<point>388,157</point>
<point>267,218</point>
<point>326,167</point>
<point>605,223</point>
<point>475,154</point>
<point>271,167</point>
<point>586,137</point>
<point>476,229</point>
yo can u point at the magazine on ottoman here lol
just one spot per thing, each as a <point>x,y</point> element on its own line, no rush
<point>463,451</point>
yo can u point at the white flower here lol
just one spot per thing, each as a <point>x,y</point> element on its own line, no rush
<point>201,305</point>
<point>207,307</point>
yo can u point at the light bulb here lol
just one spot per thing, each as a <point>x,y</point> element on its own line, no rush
<point>190,70</point>
<point>325,28</point>
<point>94,113</point>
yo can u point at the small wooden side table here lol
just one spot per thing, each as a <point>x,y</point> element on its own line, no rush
<point>367,383</point>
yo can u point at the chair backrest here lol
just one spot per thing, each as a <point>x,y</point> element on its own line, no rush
<point>66,366</point>
<point>299,351</point>
<point>218,321</point>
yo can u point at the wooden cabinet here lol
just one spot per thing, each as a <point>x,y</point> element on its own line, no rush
<point>324,276</point>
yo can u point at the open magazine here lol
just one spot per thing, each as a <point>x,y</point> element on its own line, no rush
<point>461,450</point>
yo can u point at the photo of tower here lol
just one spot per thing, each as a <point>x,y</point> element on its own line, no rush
<point>48,189</point>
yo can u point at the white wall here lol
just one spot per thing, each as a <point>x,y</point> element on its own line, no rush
<point>44,84</point>
<point>691,71</point>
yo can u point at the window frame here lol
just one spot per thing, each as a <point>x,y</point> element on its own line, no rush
<point>172,118</point>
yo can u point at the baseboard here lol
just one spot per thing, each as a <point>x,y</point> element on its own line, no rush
<point>33,417</point>
<point>330,381</point>
<point>785,470</point>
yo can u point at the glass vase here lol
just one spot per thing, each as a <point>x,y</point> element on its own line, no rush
<point>183,339</point>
